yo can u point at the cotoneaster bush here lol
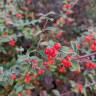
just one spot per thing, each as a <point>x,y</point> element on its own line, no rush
<point>36,59</point>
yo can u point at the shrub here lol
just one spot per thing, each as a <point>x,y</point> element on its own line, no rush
<point>35,57</point>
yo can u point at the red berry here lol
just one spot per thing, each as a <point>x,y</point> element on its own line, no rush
<point>61,70</point>
<point>41,72</point>
<point>94,42</point>
<point>27,78</point>
<point>68,57</point>
<point>57,46</point>
<point>18,15</point>
<point>51,61</point>
<point>13,76</point>
<point>88,38</point>
<point>12,42</point>
<point>78,46</point>
<point>93,47</point>
<point>68,13</point>
<point>51,51</point>
<point>90,65</point>
<point>66,63</point>
<point>45,63</point>
<point>80,88</point>
<point>67,6</point>
<point>47,50</point>
<point>54,53</point>
<point>20,94</point>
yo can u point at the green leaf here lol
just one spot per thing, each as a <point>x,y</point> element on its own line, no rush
<point>28,86</point>
<point>18,88</point>
<point>41,52</point>
<point>1,33</point>
<point>73,45</point>
<point>75,66</point>
<point>51,43</point>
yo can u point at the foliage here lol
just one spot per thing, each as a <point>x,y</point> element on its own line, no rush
<point>36,57</point>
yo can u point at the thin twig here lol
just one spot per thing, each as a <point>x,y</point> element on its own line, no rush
<point>75,3</point>
<point>43,29</point>
<point>65,93</point>
<point>85,56</point>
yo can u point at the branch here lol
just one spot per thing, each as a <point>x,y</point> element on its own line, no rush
<point>66,93</point>
<point>75,3</point>
<point>85,56</point>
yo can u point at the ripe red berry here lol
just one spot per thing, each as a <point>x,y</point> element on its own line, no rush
<point>41,72</point>
<point>27,78</point>
<point>47,50</point>
<point>68,13</point>
<point>90,65</point>
<point>57,46</point>
<point>50,52</point>
<point>67,6</point>
<point>68,57</point>
<point>54,53</point>
<point>95,42</point>
<point>80,88</point>
<point>93,47</point>
<point>13,76</point>
<point>45,63</point>
<point>51,61</point>
<point>18,15</point>
<point>61,70</point>
<point>66,63</point>
<point>78,46</point>
<point>12,42</point>
<point>88,38</point>
<point>20,94</point>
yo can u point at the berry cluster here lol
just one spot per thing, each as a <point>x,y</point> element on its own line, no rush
<point>52,52</point>
<point>90,65</point>
<point>66,63</point>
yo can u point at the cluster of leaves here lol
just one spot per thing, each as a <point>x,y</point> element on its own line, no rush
<point>32,63</point>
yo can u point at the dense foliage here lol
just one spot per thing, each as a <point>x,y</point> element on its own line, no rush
<point>47,48</point>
